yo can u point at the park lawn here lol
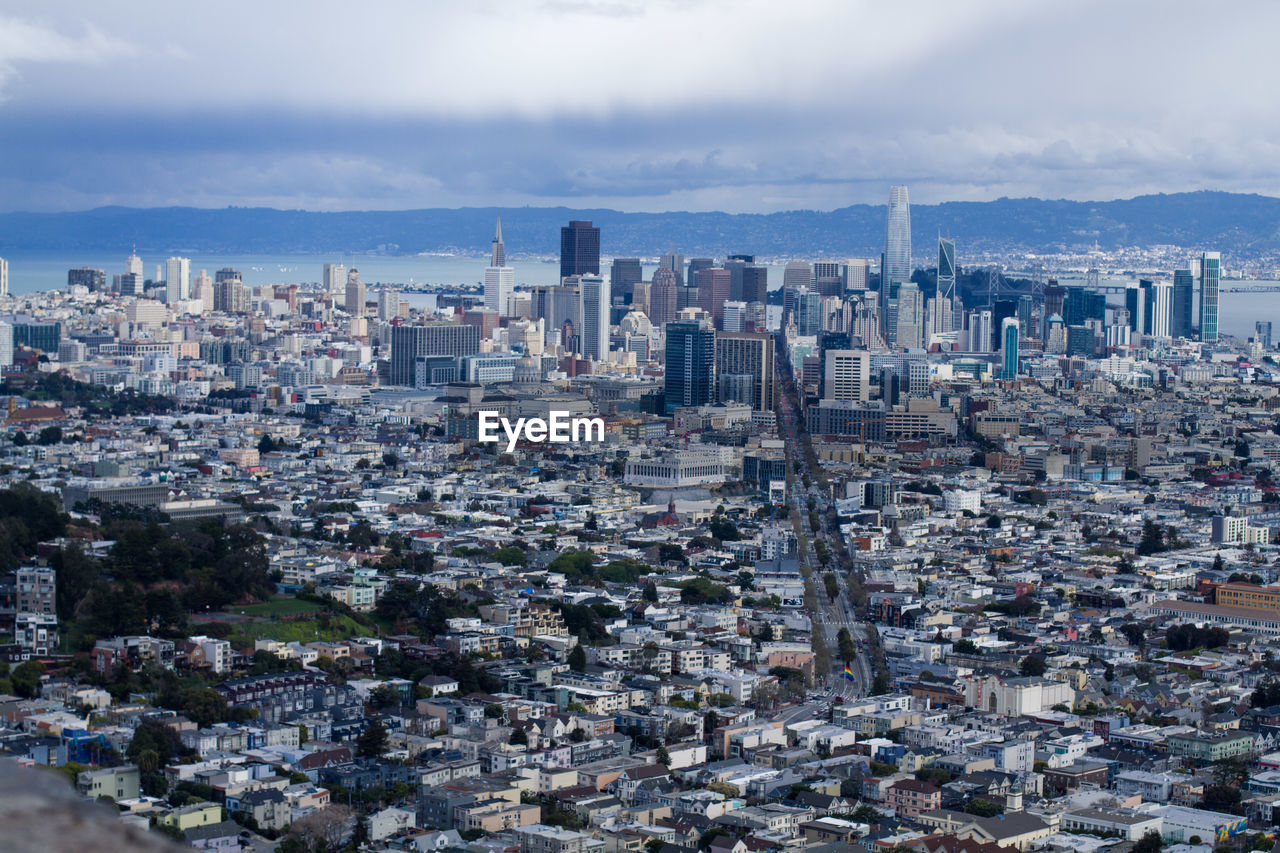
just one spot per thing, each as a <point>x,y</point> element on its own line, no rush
<point>337,627</point>
<point>275,608</point>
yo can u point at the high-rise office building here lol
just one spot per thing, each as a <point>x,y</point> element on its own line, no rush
<point>593,308</point>
<point>410,342</point>
<point>846,374</point>
<point>1262,333</point>
<point>335,278</point>
<point>354,303</point>
<point>177,280</point>
<point>556,306</point>
<point>579,249</point>
<point>855,274</point>
<point>499,284</point>
<point>690,364</point>
<point>1183,299</point>
<point>748,354</point>
<point>895,264</point>
<point>1159,309</point>
<point>946,268</point>
<point>713,290</point>
<point>94,279</point>
<point>808,312</point>
<point>910,320</point>
<point>624,275</point>
<point>735,316</point>
<point>202,289</point>
<point>1009,348</point>
<point>1135,302</point>
<point>1210,270</point>
<point>674,261</point>
<point>6,344</point>
<point>828,279</point>
<point>755,283</point>
<point>129,284</point>
<point>691,278</point>
<point>4,277</point>
<point>133,264</point>
<point>663,297</point>
<point>797,274</point>
<point>388,303</point>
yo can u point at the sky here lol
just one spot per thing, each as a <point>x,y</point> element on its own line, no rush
<point>746,106</point>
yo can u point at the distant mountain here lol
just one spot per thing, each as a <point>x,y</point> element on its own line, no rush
<point>1239,224</point>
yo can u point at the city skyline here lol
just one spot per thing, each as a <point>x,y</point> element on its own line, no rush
<point>927,100</point>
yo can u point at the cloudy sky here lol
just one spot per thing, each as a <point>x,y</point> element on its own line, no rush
<point>737,105</point>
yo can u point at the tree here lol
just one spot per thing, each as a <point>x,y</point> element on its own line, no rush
<point>324,829</point>
<point>844,644</point>
<point>650,592</point>
<point>25,679</point>
<point>266,444</point>
<point>983,808</point>
<point>993,521</point>
<point>372,742</point>
<point>577,659</point>
<point>664,757</point>
<point>1152,842</point>
<point>1032,665</point>
<point>50,435</point>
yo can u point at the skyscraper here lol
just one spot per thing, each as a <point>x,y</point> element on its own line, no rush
<point>1183,298</point>
<point>846,374</point>
<point>335,278</point>
<point>895,263</point>
<point>946,267</point>
<point>1009,348</point>
<point>750,355</point>
<point>177,280</point>
<point>1210,269</point>
<point>203,290</point>
<point>690,364</point>
<point>133,264</point>
<point>624,274</point>
<point>755,283</point>
<point>674,261</point>
<point>499,284</point>
<point>579,249</point>
<point>593,308</point>
<point>808,312</point>
<point>1159,310</point>
<point>6,344</point>
<point>498,250</point>
<point>4,277</point>
<point>1262,332</point>
<point>663,297</point>
<point>910,320</point>
<point>691,280</point>
<point>797,274</point>
<point>355,300</point>
<point>713,290</point>
<point>499,279</point>
<point>855,275</point>
<point>93,279</point>
<point>827,278</point>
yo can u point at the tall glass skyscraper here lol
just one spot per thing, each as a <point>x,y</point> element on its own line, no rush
<point>691,364</point>
<point>1009,348</point>
<point>579,249</point>
<point>1210,269</point>
<point>895,263</point>
<point>1183,291</point>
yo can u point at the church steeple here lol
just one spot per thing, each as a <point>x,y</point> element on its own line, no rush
<point>499,258</point>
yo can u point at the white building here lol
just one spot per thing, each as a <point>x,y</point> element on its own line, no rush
<point>499,284</point>
<point>695,468</point>
<point>593,308</point>
<point>959,500</point>
<point>177,280</point>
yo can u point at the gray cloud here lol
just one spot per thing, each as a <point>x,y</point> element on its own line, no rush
<point>742,106</point>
